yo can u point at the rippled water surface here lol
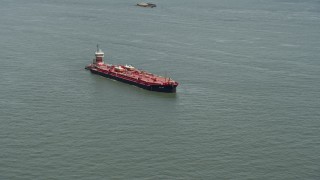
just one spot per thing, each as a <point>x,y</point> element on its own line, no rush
<point>247,106</point>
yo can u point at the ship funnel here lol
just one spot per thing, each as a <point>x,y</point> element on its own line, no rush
<point>99,55</point>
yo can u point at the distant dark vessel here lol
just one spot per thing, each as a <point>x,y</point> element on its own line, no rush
<point>130,75</point>
<point>143,4</point>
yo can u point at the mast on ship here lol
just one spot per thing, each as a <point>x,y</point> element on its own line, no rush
<point>99,56</point>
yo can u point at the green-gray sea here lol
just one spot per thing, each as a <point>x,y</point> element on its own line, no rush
<point>247,107</point>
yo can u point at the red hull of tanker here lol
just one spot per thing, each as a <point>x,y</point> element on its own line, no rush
<point>131,75</point>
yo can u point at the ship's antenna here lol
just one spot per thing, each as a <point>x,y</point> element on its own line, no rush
<point>97,47</point>
<point>165,76</point>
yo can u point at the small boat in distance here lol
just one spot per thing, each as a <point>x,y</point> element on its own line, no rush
<point>144,4</point>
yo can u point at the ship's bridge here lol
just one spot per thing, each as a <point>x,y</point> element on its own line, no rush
<point>99,55</point>
<point>99,52</point>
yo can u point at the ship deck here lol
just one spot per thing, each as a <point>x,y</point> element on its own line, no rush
<point>134,74</point>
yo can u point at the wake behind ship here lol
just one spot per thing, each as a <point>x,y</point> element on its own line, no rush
<point>130,75</point>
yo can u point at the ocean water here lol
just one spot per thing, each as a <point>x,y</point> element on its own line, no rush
<point>247,107</point>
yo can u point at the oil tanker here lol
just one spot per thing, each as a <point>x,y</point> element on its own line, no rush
<point>130,75</point>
